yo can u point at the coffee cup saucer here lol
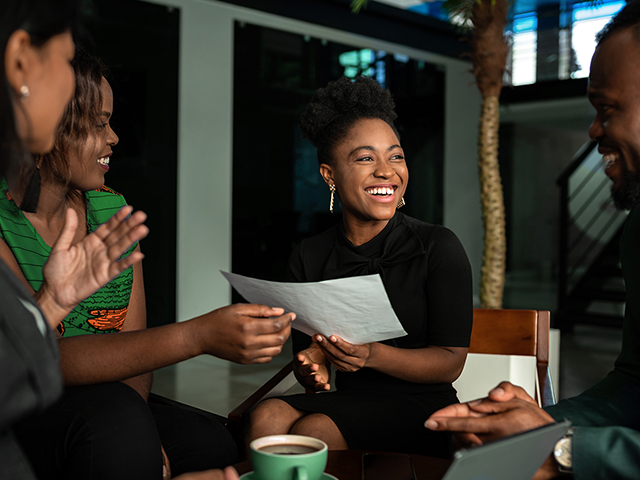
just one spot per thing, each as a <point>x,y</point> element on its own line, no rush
<point>251,476</point>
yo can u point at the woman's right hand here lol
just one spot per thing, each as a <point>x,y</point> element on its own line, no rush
<point>310,367</point>
<point>242,333</point>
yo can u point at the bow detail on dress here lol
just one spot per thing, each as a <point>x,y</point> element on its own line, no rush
<point>396,244</point>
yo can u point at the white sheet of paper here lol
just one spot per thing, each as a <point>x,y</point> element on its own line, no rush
<point>356,309</point>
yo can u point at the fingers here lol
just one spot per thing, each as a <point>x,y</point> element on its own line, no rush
<point>121,239</point>
<point>116,267</point>
<point>259,311</point>
<point>114,222</point>
<point>465,440</point>
<point>453,410</point>
<point>68,231</point>
<point>230,474</point>
<point>475,425</point>
<point>334,347</point>
<point>269,326</point>
<point>121,231</point>
<point>321,387</point>
<point>507,391</point>
<point>487,406</point>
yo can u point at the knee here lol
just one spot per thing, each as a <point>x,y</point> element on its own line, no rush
<point>273,414</point>
<point>314,425</point>
<point>269,409</point>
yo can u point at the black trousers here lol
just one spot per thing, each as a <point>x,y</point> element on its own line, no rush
<point>107,431</point>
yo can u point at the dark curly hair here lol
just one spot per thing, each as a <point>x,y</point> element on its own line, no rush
<point>335,108</point>
<point>80,117</point>
<point>629,16</point>
<point>42,20</point>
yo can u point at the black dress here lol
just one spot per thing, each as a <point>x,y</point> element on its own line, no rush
<point>427,277</point>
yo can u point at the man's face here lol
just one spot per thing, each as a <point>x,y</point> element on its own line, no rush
<point>614,91</point>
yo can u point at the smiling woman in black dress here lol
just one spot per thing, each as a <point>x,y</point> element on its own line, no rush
<point>385,390</point>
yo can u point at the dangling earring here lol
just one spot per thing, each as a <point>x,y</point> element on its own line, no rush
<point>400,203</point>
<point>332,188</point>
<point>24,93</point>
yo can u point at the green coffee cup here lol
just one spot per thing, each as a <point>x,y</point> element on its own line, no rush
<point>288,457</point>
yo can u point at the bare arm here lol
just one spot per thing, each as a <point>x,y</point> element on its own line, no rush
<point>241,333</point>
<point>137,320</point>
<point>433,364</point>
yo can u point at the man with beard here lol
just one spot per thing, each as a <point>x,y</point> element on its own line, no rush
<point>605,442</point>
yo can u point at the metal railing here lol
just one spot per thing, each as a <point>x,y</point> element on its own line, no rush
<point>588,218</point>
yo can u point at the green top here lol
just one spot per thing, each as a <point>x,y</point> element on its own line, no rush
<point>106,309</point>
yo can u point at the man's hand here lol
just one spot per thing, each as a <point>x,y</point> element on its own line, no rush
<point>508,410</point>
<point>343,355</point>
<point>310,368</point>
<point>75,271</point>
<point>242,333</point>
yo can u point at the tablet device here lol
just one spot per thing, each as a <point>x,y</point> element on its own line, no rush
<point>513,458</point>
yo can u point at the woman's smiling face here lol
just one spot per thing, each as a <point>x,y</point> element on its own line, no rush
<point>89,165</point>
<point>369,171</point>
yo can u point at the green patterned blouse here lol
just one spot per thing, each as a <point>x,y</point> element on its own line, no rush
<point>104,311</point>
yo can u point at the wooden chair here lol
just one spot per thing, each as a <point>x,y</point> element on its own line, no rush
<point>501,332</point>
<point>520,333</point>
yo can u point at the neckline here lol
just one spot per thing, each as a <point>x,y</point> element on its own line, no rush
<point>4,187</point>
<point>375,244</point>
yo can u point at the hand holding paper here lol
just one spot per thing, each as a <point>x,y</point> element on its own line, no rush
<point>356,309</point>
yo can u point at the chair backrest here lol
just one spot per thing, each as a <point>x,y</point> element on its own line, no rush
<point>513,333</point>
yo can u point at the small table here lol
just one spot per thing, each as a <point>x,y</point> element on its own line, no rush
<point>347,465</point>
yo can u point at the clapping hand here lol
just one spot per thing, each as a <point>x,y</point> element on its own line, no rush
<point>311,369</point>
<point>75,271</point>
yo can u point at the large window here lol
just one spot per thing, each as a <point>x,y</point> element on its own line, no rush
<point>523,49</point>
<point>588,20</point>
<point>558,38</point>
<point>575,43</point>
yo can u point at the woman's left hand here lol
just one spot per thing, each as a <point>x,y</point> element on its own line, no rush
<point>345,356</point>
<point>75,271</point>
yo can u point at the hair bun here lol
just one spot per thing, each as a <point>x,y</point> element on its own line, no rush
<point>347,101</point>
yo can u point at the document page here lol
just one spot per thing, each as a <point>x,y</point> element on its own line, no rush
<point>356,309</point>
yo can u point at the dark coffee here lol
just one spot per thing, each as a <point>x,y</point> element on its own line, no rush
<point>288,449</point>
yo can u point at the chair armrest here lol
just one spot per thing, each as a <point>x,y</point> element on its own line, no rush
<point>276,385</point>
<point>547,396</point>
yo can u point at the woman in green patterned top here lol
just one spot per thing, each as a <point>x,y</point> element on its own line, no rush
<point>103,427</point>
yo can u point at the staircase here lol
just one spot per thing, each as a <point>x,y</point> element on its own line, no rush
<point>590,285</point>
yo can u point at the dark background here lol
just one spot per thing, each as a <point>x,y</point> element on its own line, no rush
<point>139,42</point>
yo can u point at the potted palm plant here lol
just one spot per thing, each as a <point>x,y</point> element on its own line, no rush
<point>486,21</point>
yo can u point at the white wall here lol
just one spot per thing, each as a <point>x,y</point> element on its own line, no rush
<point>205,143</point>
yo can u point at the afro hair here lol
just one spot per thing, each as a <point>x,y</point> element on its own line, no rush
<point>334,109</point>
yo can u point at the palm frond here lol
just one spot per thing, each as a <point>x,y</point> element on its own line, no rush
<point>356,5</point>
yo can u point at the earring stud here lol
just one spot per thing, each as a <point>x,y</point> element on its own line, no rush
<point>24,93</point>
